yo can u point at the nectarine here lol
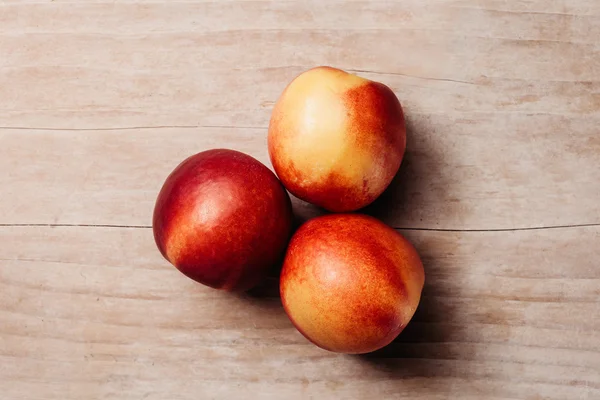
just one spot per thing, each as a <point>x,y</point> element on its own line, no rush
<point>223,219</point>
<point>350,283</point>
<point>335,139</point>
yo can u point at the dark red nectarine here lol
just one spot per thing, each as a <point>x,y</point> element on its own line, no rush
<point>223,219</point>
<point>350,283</point>
<point>335,139</point>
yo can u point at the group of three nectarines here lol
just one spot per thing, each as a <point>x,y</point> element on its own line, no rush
<point>349,283</point>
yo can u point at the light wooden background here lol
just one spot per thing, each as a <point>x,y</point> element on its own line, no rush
<point>499,191</point>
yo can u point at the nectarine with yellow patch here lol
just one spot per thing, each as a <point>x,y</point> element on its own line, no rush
<point>335,139</point>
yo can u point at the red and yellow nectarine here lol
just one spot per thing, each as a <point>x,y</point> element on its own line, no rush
<point>335,139</point>
<point>350,283</point>
<point>223,219</point>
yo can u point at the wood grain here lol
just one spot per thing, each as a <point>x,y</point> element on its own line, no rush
<point>97,311</point>
<point>499,191</point>
<point>450,177</point>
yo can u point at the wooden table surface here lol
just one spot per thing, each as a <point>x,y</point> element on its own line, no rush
<point>499,191</point>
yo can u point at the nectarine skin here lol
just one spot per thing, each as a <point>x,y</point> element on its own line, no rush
<point>350,284</point>
<point>335,139</point>
<point>223,219</point>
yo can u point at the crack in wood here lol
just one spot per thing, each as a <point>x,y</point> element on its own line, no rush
<point>400,228</point>
<point>130,128</point>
